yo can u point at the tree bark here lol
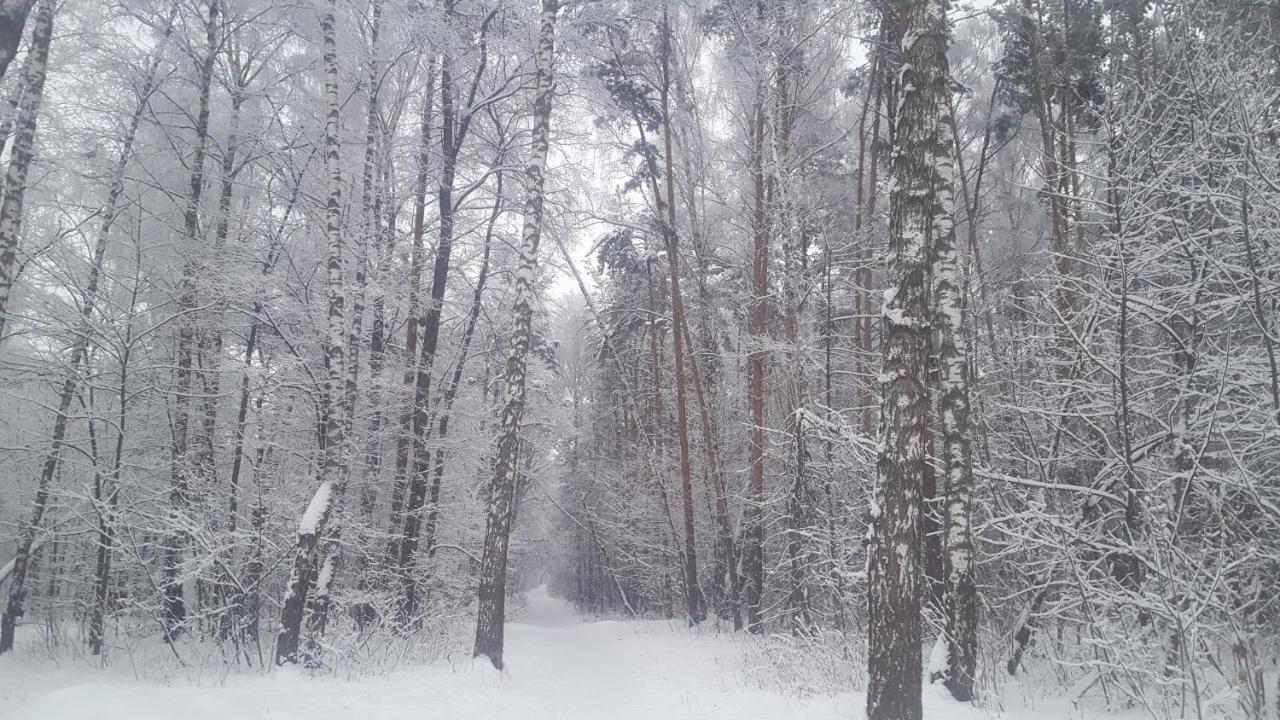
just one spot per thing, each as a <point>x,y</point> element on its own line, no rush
<point>368,236</point>
<point>20,156</point>
<point>959,600</point>
<point>894,668</point>
<point>455,125</point>
<point>306,570</point>
<point>371,205</point>
<point>752,520</point>
<point>502,492</point>
<point>13,18</point>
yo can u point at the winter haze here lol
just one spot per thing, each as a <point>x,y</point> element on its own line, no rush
<point>640,359</point>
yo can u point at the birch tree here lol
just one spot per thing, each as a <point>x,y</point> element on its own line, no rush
<point>919,168</point>
<point>312,569</point>
<point>35,70</point>
<point>502,491</point>
<point>959,602</point>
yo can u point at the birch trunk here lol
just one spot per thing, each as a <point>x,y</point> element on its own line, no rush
<point>15,182</point>
<point>502,492</point>
<point>369,234</point>
<point>305,572</point>
<point>13,18</point>
<point>753,528</point>
<point>894,667</point>
<point>371,206</point>
<point>404,439</point>
<point>10,108</point>
<point>959,598</point>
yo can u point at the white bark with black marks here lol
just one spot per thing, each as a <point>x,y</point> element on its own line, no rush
<point>306,571</point>
<point>36,69</point>
<point>894,642</point>
<point>502,491</point>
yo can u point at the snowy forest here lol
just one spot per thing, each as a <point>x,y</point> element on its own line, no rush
<point>884,359</point>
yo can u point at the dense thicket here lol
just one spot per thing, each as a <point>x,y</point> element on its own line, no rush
<point>312,312</point>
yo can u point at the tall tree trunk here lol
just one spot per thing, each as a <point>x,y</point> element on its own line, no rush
<point>430,334</point>
<point>10,108</point>
<point>15,183</point>
<point>410,588</point>
<point>502,492</point>
<point>404,439</point>
<point>959,600</point>
<point>704,383</point>
<point>13,18</point>
<point>695,606</point>
<point>833,543</point>
<point>455,123</point>
<point>305,571</point>
<point>790,227</point>
<point>369,235</point>
<point>752,520</point>
<point>175,609</point>
<point>210,343</point>
<point>893,688</point>
<point>724,530</point>
<point>108,507</point>
<point>251,346</point>
<point>371,207</point>
<point>864,213</point>
<point>451,138</point>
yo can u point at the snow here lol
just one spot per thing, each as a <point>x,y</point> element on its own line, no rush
<point>937,664</point>
<point>310,522</point>
<point>558,667</point>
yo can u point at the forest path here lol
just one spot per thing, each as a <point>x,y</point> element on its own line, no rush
<point>559,666</point>
<point>634,670</point>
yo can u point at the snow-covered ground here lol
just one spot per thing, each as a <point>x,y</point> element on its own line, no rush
<point>558,668</point>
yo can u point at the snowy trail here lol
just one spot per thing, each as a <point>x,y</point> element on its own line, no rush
<point>558,668</point>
